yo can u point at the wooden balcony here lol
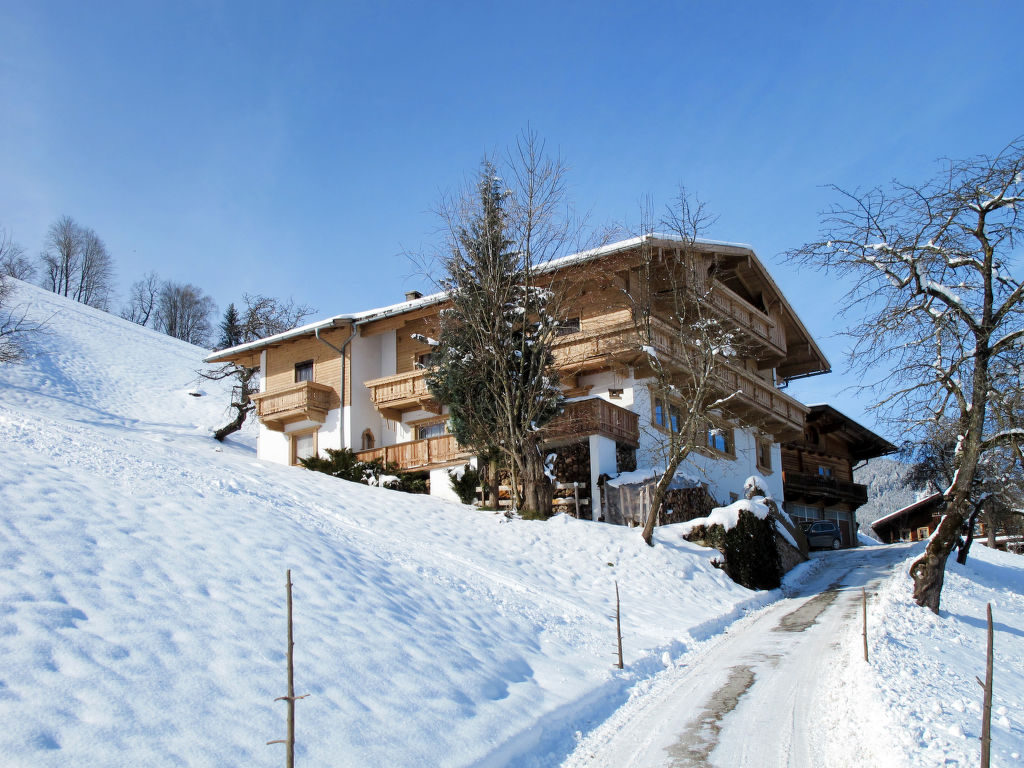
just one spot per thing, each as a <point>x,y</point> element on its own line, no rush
<point>763,405</point>
<point>394,395</point>
<point>813,488</point>
<point>305,401</point>
<point>431,453</point>
<point>592,350</point>
<point>594,417</point>
<point>765,332</point>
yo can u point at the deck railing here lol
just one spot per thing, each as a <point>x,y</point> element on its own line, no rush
<point>418,454</point>
<point>595,416</point>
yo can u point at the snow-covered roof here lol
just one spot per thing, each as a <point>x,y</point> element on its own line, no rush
<point>359,318</point>
<point>927,500</point>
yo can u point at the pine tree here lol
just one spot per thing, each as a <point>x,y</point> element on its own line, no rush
<point>230,328</point>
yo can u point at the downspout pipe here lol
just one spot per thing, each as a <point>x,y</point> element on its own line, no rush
<point>341,353</point>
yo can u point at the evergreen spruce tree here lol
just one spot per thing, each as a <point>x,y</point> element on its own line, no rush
<point>230,328</point>
<point>492,365</point>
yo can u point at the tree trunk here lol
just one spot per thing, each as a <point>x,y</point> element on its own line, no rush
<point>928,571</point>
<point>965,545</point>
<point>990,530</point>
<point>657,500</point>
<point>537,489</point>
<point>493,484</point>
<point>243,406</point>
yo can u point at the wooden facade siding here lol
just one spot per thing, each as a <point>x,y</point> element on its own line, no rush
<point>281,361</point>
<point>408,348</point>
<point>305,401</point>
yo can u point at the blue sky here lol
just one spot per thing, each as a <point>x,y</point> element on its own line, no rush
<point>297,149</point>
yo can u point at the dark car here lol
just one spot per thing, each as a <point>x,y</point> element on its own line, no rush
<point>822,534</point>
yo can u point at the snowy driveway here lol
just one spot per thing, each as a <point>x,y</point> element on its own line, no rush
<point>752,697</point>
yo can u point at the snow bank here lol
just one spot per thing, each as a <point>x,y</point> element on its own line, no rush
<point>917,702</point>
<point>142,589</point>
<point>727,517</point>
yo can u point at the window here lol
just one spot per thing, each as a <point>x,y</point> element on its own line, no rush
<point>425,360</point>
<point>667,415</point>
<point>764,455</point>
<point>825,472</point>
<point>303,446</point>
<point>304,371</point>
<point>922,533</point>
<point>568,327</point>
<point>721,439</point>
<point>438,428</point>
<point>367,440</point>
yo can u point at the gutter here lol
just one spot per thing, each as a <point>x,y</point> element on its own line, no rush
<point>341,388</point>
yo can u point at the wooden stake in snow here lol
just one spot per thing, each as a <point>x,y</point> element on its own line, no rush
<point>986,713</point>
<point>864,602</point>
<point>291,698</point>
<point>618,623</point>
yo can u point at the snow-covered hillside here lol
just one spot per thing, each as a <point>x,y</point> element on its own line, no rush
<point>142,590</point>
<point>888,490</point>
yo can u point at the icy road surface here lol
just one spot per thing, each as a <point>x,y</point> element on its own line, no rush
<point>752,696</point>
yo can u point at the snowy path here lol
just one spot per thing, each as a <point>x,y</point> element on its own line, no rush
<point>753,696</point>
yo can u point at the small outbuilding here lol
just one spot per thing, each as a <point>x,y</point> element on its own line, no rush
<point>915,522</point>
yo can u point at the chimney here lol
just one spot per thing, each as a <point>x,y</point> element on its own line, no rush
<point>410,295</point>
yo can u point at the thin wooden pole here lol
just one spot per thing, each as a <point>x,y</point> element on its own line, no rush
<point>618,623</point>
<point>864,603</point>
<point>986,714</point>
<point>291,698</point>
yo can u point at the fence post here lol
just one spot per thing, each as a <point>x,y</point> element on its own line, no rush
<point>986,713</point>
<point>618,622</point>
<point>291,698</point>
<point>864,602</point>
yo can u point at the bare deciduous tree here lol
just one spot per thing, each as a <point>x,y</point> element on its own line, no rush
<point>14,326</point>
<point>931,275</point>
<point>61,255</point>
<point>685,345</point>
<point>142,300</point>
<point>76,264</point>
<point>263,316</point>
<point>12,259</point>
<point>184,311</point>
<point>94,280</point>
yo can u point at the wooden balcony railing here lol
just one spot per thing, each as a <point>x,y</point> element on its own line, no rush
<point>760,327</point>
<point>305,401</point>
<point>419,454</point>
<point>594,416</point>
<point>815,487</point>
<point>393,395</point>
<point>781,413</point>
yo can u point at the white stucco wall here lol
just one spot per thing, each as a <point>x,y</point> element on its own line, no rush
<point>723,475</point>
<point>362,415</point>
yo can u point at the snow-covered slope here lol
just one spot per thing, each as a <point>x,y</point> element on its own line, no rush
<point>888,490</point>
<point>142,590</point>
